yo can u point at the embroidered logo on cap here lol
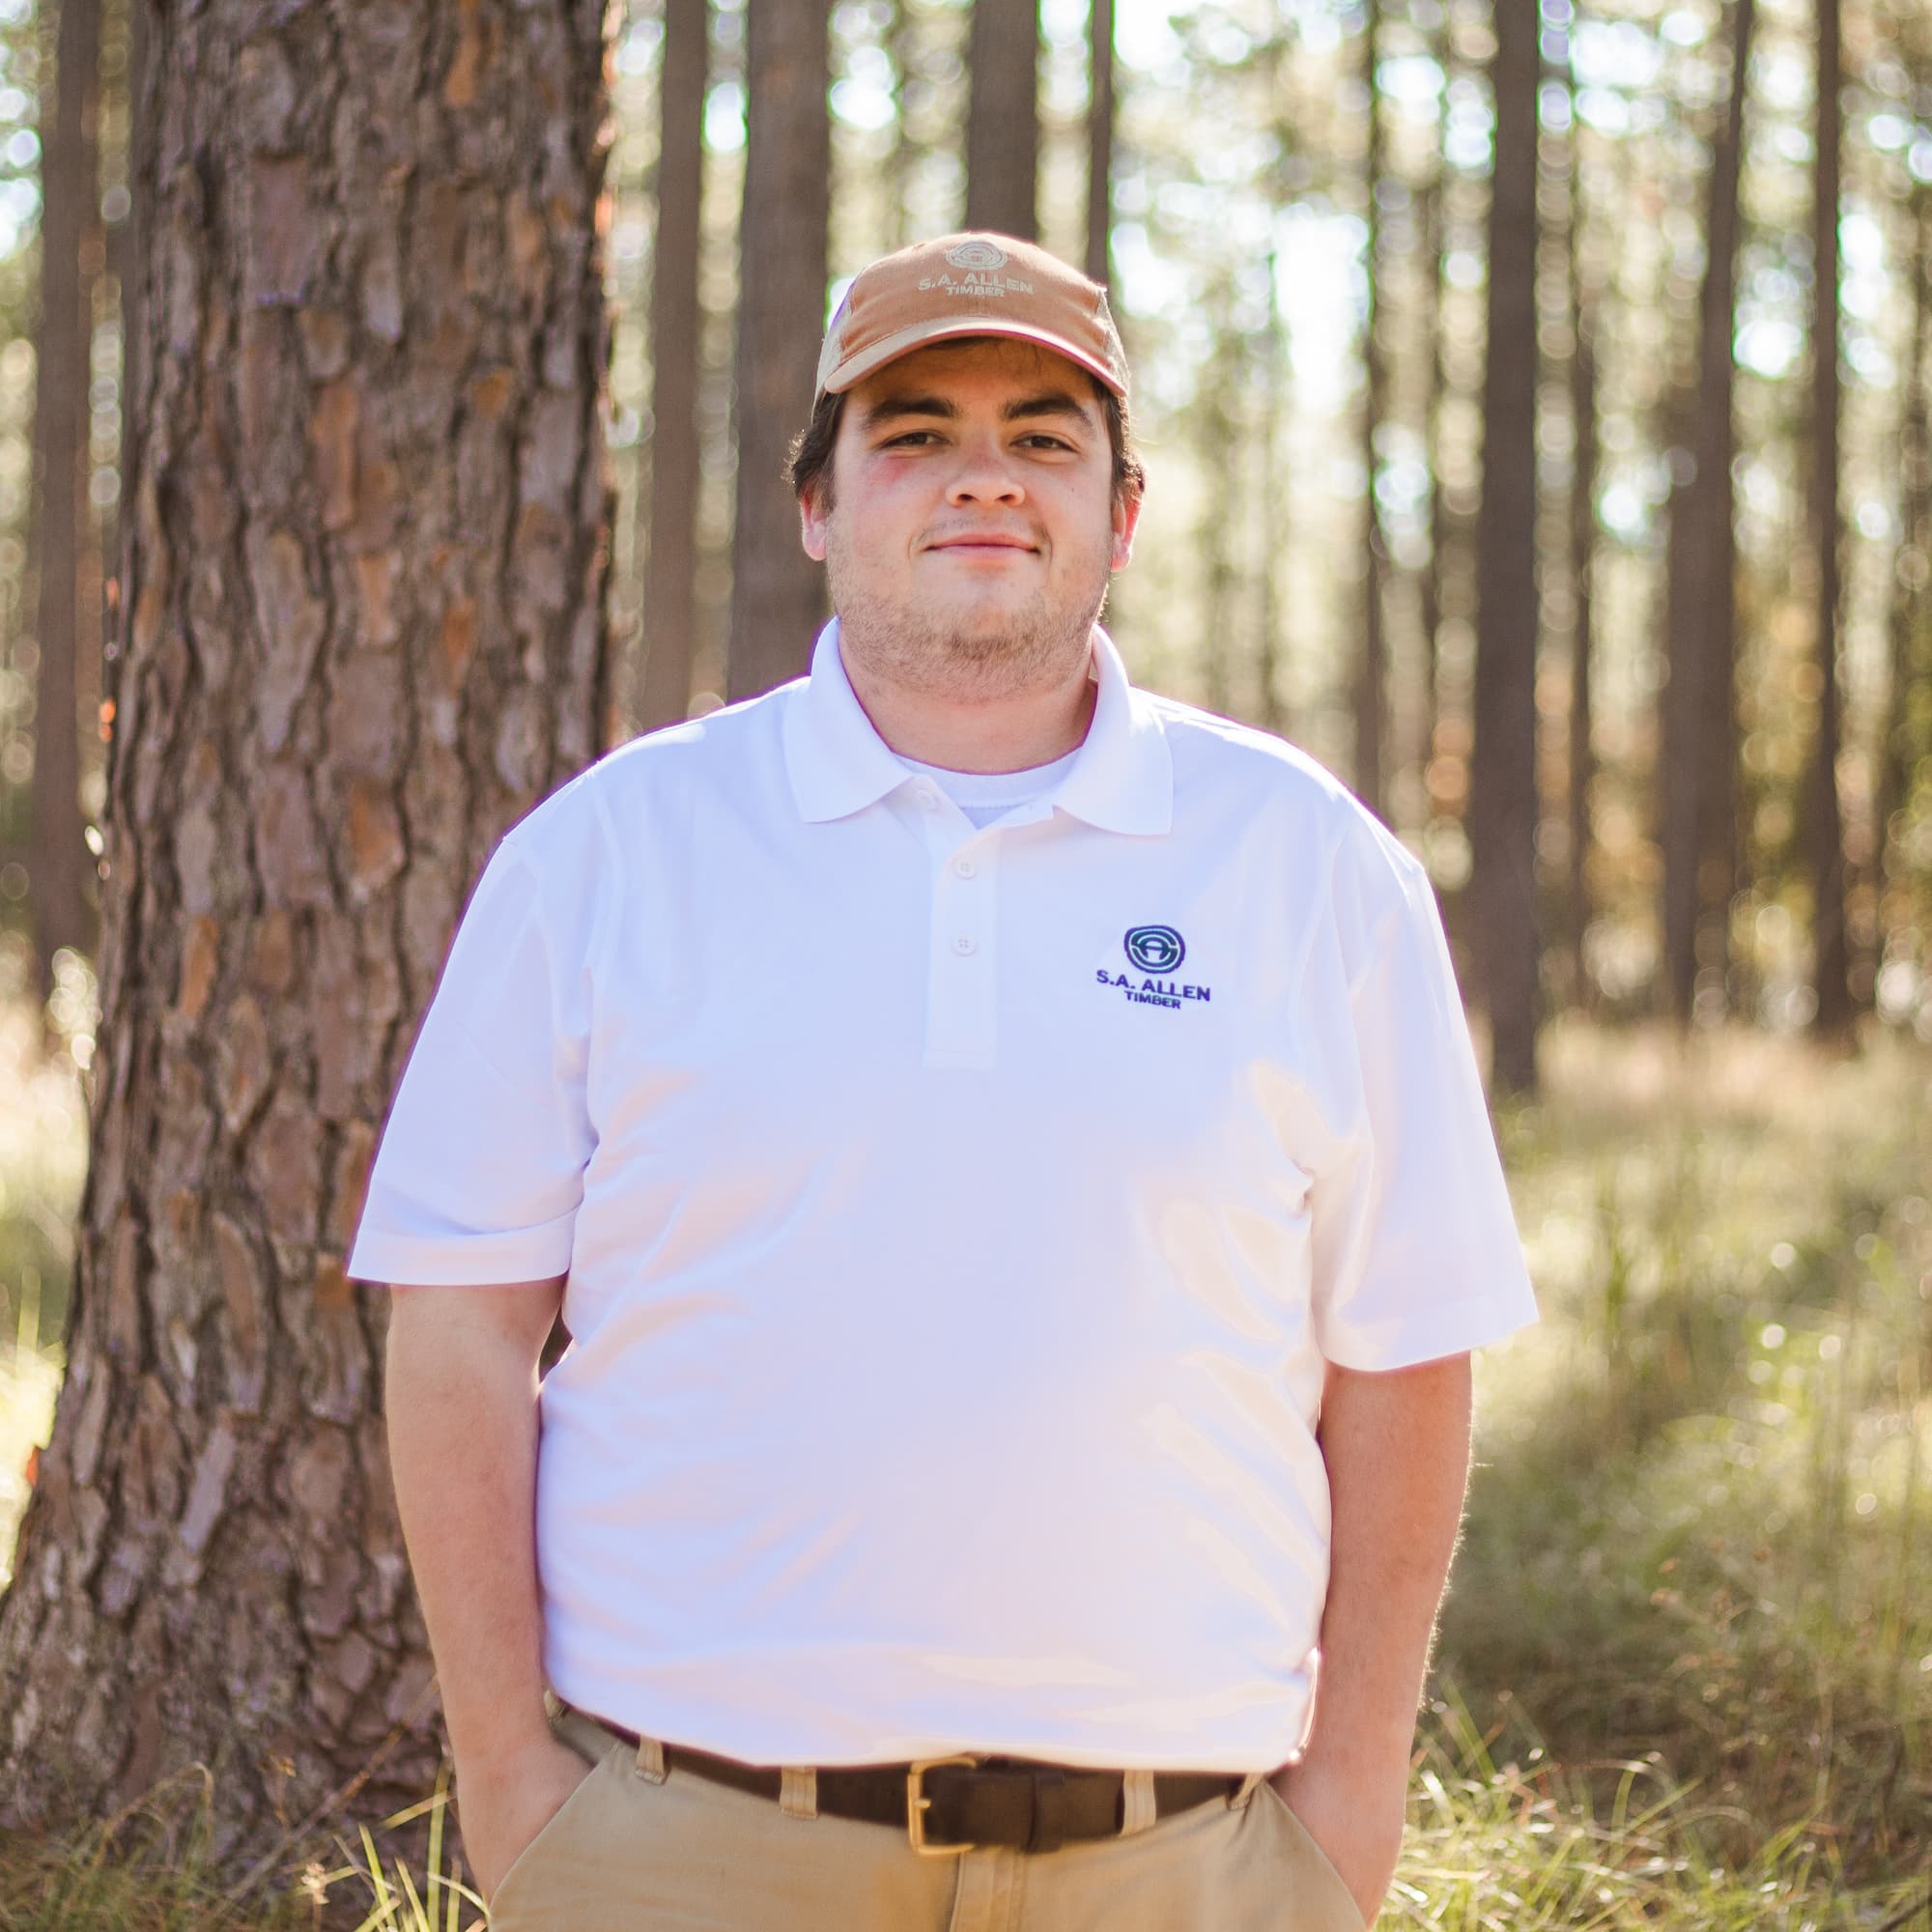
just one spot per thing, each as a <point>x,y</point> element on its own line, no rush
<point>976,255</point>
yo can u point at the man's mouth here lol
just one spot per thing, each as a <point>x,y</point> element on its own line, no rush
<point>980,542</point>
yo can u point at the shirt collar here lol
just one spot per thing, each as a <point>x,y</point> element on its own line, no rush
<point>1122,781</point>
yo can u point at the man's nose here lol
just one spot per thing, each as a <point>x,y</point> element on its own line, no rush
<point>986,473</point>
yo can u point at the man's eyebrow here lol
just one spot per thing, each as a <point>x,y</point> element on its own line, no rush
<point>891,408</point>
<point>1047,403</point>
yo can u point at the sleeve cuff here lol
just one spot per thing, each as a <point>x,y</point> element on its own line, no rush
<point>464,1260</point>
<point>1451,1329</point>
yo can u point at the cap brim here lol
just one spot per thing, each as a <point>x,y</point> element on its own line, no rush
<point>854,369</point>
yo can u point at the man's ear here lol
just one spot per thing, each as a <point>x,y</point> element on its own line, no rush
<point>1126,517</point>
<point>811,522</point>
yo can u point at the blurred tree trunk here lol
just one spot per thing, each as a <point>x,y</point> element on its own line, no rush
<point>1699,746</point>
<point>364,632</point>
<point>1216,421</point>
<point>777,593</point>
<point>58,858</point>
<point>1825,824</point>
<point>1429,588</point>
<point>125,257</point>
<point>1100,142</point>
<point>1372,669</point>
<point>1582,563</point>
<point>901,44</point>
<point>1002,117</point>
<point>670,545</point>
<point>1271,501</point>
<point>1502,789</point>
<point>1909,617</point>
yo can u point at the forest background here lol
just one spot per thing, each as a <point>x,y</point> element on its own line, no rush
<point>1492,459</point>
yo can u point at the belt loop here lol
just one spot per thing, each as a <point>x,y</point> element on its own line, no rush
<point>1238,1798</point>
<point>798,1791</point>
<point>1137,1807</point>
<point>651,1760</point>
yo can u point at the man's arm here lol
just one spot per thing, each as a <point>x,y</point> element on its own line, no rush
<point>462,1404</point>
<point>1397,1446</point>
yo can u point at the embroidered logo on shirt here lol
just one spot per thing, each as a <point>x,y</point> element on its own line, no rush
<point>1155,951</point>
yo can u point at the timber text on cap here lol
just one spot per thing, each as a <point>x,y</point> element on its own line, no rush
<point>969,285</point>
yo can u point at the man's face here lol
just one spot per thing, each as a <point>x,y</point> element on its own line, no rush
<point>974,521</point>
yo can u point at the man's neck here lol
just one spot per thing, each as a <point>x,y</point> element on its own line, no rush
<point>984,734</point>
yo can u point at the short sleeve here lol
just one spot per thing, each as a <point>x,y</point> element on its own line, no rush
<point>480,1169</point>
<point>1415,1248</point>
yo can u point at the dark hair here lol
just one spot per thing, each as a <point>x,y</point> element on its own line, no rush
<point>809,464</point>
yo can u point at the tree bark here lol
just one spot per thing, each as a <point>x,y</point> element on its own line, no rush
<point>1502,791</point>
<point>778,594</point>
<point>364,632</point>
<point>1825,824</point>
<point>1002,117</point>
<point>1700,707</point>
<point>1099,256</point>
<point>670,546</point>
<point>58,860</point>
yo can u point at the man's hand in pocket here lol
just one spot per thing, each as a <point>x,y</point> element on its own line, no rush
<point>1356,1822</point>
<point>504,1803</point>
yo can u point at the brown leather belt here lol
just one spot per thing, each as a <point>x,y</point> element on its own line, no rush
<point>953,1805</point>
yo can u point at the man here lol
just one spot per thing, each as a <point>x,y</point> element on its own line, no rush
<point>1010,1160</point>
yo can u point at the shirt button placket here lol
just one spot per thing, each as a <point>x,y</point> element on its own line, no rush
<point>960,1009</point>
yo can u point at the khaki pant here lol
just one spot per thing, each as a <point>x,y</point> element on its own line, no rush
<point>634,1849</point>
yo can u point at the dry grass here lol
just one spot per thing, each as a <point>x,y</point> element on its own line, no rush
<point>1687,1666</point>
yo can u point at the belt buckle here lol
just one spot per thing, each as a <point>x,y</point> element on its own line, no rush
<point>917,1802</point>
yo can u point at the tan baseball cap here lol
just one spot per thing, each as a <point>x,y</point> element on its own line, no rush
<point>969,285</point>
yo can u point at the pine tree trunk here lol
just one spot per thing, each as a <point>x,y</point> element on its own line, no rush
<point>1002,117</point>
<point>1825,824</point>
<point>778,594</point>
<point>1718,839</point>
<point>1700,707</point>
<point>1908,621</point>
<point>1502,791</point>
<point>671,547</point>
<point>125,254</point>
<point>901,51</point>
<point>1271,503</point>
<point>1433,225</point>
<point>1582,563</point>
<point>1372,670</point>
<point>1100,142</point>
<point>1215,421</point>
<point>58,861</point>
<point>364,632</point>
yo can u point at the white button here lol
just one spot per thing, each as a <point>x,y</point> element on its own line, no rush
<point>965,868</point>
<point>965,944</point>
<point>928,798</point>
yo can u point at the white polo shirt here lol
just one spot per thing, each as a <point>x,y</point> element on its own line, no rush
<point>956,1222</point>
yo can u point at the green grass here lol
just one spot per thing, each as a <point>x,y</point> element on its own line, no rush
<point>1685,1679</point>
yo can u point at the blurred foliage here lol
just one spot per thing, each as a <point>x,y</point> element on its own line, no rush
<point>1702,1535</point>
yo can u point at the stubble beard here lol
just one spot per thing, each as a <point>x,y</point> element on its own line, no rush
<point>1036,647</point>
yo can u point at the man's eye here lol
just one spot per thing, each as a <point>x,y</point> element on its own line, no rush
<point>1046,441</point>
<point>909,437</point>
